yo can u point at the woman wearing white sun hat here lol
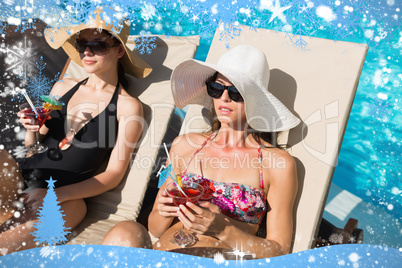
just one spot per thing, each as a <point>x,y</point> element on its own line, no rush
<point>244,173</point>
<point>99,122</point>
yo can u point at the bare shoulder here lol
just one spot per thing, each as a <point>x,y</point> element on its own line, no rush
<point>279,165</point>
<point>128,105</point>
<point>63,86</point>
<point>188,143</point>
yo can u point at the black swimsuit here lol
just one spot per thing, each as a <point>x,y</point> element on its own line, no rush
<point>90,147</point>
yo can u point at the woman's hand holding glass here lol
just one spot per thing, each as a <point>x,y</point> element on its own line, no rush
<point>166,207</point>
<point>29,123</point>
<point>205,219</point>
<point>33,119</point>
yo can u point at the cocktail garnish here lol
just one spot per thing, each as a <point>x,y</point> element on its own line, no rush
<point>51,102</point>
<point>179,181</point>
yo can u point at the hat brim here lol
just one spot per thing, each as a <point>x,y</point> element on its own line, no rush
<point>65,37</point>
<point>264,112</point>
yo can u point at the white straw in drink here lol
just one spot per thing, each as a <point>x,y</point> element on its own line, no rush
<point>178,186</point>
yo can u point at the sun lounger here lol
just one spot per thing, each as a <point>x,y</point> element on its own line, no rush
<point>318,84</point>
<point>124,202</point>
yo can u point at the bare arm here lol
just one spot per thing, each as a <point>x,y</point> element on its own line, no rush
<point>282,192</point>
<point>164,211</point>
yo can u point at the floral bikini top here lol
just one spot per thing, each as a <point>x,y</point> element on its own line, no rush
<point>238,201</point>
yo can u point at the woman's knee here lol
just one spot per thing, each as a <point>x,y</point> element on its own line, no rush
<point>74,212</point>
<point>128,234</point>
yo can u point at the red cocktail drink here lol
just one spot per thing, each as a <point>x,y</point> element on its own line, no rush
<point>192,193</point>
<point>39,118</point>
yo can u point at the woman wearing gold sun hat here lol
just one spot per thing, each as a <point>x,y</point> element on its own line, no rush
<point>99,122</point>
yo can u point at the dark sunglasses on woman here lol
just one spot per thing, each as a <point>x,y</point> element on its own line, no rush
<point>215,90</point>
<point>96,47</point>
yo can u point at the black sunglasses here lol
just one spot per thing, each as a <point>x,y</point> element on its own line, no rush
<point>215,90</point>
<point>96,47</point>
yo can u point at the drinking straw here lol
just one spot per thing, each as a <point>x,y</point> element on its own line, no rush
<point>178,186</point>
<point>23,91</point>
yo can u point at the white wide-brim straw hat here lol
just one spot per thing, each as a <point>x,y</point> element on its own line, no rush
<point>65,37</point>
<point>247,69</point>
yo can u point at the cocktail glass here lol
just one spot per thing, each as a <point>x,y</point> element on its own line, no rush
<point>39,119</point>
<point>193,191</point>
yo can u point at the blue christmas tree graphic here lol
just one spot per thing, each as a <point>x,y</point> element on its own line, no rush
<point>50,228</point>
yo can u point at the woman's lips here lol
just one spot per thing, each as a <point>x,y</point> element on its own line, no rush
<point>89,62</point>
<point>224,110</point>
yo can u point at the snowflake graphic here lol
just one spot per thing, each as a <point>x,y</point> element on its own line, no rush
<point>226,15</point>
<point>22,14</point>
<point>206,27</point>
<point>40,84</point>
<point>380,21</point>
<point>177,28</point>
<point>20,152</point>
<point>20,58</point>
<point>380,109</point>
<point>2,29</point>
<point>148,11</point>
<point>229,31</point>
<point>303,22</point>
<point>343,19</point>
<point>79,12</point>
<point>336,238</point>
<point>145,43</point>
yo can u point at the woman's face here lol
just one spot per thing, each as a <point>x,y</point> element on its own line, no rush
<point>94,63</point>
<point>228,111</point>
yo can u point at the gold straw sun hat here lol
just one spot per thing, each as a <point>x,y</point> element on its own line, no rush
<point>247,69</point>
<point>65,37</point>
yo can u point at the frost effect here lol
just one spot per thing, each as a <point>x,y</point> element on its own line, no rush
<point>296,17</point>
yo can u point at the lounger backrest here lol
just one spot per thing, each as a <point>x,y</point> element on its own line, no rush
<point>318,84</point>
<point>124,202</point>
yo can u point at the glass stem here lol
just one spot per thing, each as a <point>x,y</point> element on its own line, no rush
<point>37,134</point>
<point>181,230</point>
